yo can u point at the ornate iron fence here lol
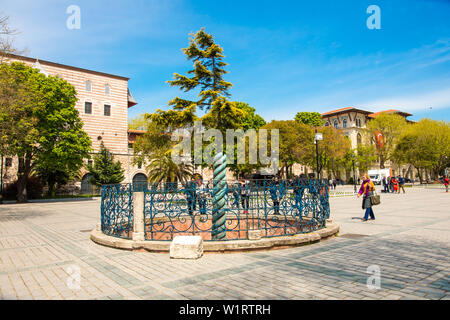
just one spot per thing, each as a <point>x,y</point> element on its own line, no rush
<point>117,210</point>
<point>277,209</point>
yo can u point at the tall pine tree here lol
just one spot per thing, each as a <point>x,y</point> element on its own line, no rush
<point>207,73</point>
<point>105,170</point>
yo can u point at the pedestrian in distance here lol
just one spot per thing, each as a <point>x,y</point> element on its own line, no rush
<point>401,184</point>
<point>245,195</point>
<point>191,195</point>
<point>385,185</point>
<point>235,190</point>
<point>334,184</point>
<point>395,184</point>
<point>446,183</point>
<point>276,193</point>
<point>202,197</point>
<point>366,190</point>
<point>391,184</point>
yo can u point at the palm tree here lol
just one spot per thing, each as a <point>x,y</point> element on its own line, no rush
<point>163,169</point>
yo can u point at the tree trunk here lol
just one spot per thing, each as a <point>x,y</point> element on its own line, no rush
<point>51,187</point>
<point>420,176</point>
<point>21,181</point>
<point>22,177</point>
<point>382,162</point>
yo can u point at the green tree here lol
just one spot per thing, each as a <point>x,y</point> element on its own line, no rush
<point>54,177</point>
<point>155,148</point>
<point>313,119</point>
<point>137,123</point>
<point>40,124</point>
<point>391,126</point>
<point>163,169</point>
<point>425,145</point>
<point>366,157</point>
<point>207,73</point>
<point>295,143</point>
<point>332,149</point>
<point>105,170</point>
<point>207,77</point>
<point>251,120</point>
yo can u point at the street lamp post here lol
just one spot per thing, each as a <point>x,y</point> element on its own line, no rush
<point>317,137</point>
<point>354,173</point>
<point>1,182</point>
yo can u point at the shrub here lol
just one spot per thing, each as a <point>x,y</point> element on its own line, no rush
<point>34,189</point>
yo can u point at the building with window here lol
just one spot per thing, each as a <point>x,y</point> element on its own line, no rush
<point>103,102</point>
<point>352,122</point>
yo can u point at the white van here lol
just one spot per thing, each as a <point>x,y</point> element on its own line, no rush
<point>377,175</point>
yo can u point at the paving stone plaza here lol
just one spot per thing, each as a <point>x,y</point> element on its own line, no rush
<point>46,253</point>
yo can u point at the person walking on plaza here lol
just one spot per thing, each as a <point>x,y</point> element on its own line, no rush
<point>366,190</point>
<point>245,195</point>
<point>391,184</point>
<point>201,197</point>
<point>191,195</point>
<point>235,190</point>
<point>334,184</point>
<point>446,183</point>
<point>394,182</point>
<point>401,184</point>
<point>385,185</point>
<point>276,193</point>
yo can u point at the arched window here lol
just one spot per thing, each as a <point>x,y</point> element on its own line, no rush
<point>139,181</point>
<point>107,89</point>
<point>358,139</point>
<point>86,186</point>
<point>344,123</point>
<point>88,85</point>
<point>336,124</point>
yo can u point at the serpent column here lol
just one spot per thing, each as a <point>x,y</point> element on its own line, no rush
<point>220,186</point>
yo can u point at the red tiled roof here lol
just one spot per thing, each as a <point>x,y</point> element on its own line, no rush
<point>338,110</point>
<point>136,131</point>
<point>345,109</point>
<point>376,114</point>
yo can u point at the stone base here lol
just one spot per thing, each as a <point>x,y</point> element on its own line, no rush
<point>254,235</point>
<point>331,229</point>
<point>186,247</point>
<point>138,236</point>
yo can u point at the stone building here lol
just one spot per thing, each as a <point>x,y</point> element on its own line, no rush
<point>352,122</point>
<point>103,102</point>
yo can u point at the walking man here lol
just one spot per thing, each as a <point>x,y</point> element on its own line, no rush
<point>202,197</point>
<point>446,183</point>
<point>191,195</point>
<point>276,193</point>
<point>401,184</point>
<point>245,195</point>
<point>385,185</point>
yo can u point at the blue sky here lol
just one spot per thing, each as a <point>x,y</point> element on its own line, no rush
<point>284,56</point>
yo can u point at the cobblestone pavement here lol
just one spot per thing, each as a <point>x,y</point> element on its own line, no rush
<point>43,246</point>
